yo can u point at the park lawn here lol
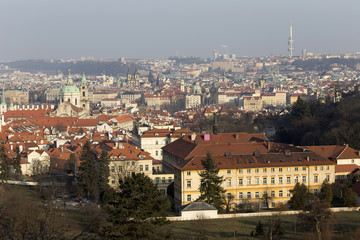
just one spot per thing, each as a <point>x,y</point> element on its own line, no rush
<point>225,228</point>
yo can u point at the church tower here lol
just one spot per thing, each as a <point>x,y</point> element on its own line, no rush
<point>136,77</point>
<point>3,106</point>
<point>84,96</point>
<point>129,78</point>
<point>182,86</point>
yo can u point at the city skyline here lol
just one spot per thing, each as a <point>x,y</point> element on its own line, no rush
<point>159,29</point>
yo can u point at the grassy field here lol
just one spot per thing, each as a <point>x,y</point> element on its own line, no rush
<point>225,228</point>
<point>236,228</point>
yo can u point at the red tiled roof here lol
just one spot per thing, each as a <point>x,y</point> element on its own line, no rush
<point>123,118</point>
<point>261,160</point>
<point>87,122</point>
<point>345,168</point>
<point>26,113</point>
<point>334,151</point>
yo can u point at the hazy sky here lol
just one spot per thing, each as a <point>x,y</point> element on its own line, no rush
<point>157,28</point>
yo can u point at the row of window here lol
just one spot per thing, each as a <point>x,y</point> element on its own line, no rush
<point>264,195</point>
<point>163,180</point>
<point>265,180</point>
<point>250,195</point>
<point>257,170</point>
<point>165,142</point>
<point>141,167</point>
<point>280,180</point>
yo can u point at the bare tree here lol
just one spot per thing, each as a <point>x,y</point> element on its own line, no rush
<point>273,228</point>
<point>317,217</point>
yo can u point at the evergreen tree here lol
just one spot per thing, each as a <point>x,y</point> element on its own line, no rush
<point>4,164</point>
<point>137,211</point>
<point>17,163</point>
<point>71,163</point>
<point>349,198</point>
<point>300,109</point>
<point>210,187</point>
<point>298,200</point>
<point>88,173</point>
<point>326,194</point>
<point>104,174</point>
<point>259,230</point>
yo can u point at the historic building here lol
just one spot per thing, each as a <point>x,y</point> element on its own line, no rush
<point>153,140</point>
<point>213,95</point>
<point>133,80</point>
<point>74,102</point>
<point>255,171</point>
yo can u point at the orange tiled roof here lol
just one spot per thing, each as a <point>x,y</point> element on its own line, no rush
<point>335,151</point>
<point>261,160</point>
<point>345,168</point>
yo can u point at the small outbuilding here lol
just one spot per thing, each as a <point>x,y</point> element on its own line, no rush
<point>198,210</point>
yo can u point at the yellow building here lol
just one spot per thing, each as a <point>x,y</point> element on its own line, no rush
<point>17,97</point>
<point>255,171</point>
<point>268,99</point>
<point>253,103</point>
<point>294,97</point>
<point>126,160</point>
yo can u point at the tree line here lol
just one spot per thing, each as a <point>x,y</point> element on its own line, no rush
<point>135,210</point>
<point>316,123</point>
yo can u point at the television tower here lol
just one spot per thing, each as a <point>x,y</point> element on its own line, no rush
<point>291,42</point>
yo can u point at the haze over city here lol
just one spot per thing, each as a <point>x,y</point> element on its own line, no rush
<point>159,29</point>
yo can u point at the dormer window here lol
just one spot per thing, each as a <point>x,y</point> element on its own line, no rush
<point>156,134</point>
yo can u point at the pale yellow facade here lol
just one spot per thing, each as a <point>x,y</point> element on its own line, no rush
<point>252,185</point>
<point>192,101</point>
<point>123,168</point>
<point>253,104</point>
<point>268,100</point>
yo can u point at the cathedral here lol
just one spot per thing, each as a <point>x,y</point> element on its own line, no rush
<point>74,102</point>
<point>133,80</point>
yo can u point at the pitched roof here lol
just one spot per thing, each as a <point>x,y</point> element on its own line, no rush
<point>260,160</point>
<point>236,143</point>
<point>197,206</point>
<point>335,151</point>
<point>26,113</point>
<point>345,168</point>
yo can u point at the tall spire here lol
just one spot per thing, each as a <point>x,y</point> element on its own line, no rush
<point>83,80</point>
<point>3,102</point>
<point>291,42</point>
<point>69,79</point>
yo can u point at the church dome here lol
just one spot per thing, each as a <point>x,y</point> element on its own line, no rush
<point>69,89</point>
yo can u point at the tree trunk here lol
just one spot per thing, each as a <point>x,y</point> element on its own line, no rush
<point>318,230</point>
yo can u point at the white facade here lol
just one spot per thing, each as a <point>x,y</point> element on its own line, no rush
<point>192,101</point>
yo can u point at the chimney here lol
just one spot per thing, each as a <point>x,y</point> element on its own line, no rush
<point>237,136</point>
<point>268,146</point>
<point>193,137</point>
<point>307,158</point>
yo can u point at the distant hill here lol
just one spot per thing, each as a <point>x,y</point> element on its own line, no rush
<point>87,67</point>
<point>325,64</point>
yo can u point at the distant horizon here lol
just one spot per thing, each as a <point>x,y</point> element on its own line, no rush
<point>158,29</point>
<point>165,58</point>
